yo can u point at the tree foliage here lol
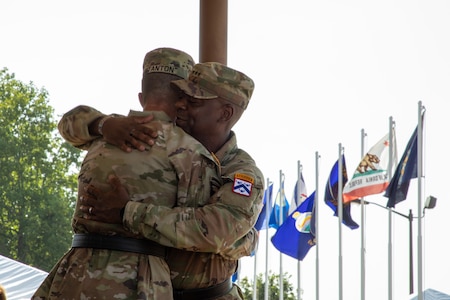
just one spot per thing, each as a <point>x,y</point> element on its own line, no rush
<point>37,190</point>
<point>274,287</point>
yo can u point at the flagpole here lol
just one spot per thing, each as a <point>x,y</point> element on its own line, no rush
<point>419,198</point>
<point>281,222</point>
<point>391,122</point>
<point>340,221</point>
<point>299,182</point>
<point>266,274</point>
<point>363,232</point>
<point>316,233</point>
<point>254,275</point>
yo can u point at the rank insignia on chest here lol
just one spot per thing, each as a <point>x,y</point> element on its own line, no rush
<point>243,184</point>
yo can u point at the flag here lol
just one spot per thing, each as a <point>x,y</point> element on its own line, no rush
<point>331,194</point>
<point>298,195</point>
<point>267,200</point>
<point>236,275</point>
<point>371,175</point>
<point>294,236</point>
<point>274,220</point>
<point>397,189</point>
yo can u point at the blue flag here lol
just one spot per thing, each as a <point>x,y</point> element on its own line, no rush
<point>267,201</point>
<point>313,220</point>
<point>283,205</point>
<point>397,189</point>
<point>294,236</point>
<point>331,194</point>
<point>236,275</point>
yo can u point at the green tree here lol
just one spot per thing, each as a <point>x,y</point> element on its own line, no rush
<point>37,179</point>
<point>274,287</point>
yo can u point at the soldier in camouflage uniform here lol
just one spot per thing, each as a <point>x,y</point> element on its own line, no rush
<point>222,225</point>
<point>176,168</point>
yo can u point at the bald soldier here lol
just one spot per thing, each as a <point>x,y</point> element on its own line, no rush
<point>107,261</point>
<point>214,98</point>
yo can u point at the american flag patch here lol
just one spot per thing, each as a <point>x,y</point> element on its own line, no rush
<point>243,184</point>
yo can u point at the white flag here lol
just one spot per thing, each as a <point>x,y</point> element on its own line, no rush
<point>371,175</point>
<point>299,194</point>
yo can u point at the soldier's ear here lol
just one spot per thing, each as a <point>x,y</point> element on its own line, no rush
<point>227,112</point>
<point>141,99</point>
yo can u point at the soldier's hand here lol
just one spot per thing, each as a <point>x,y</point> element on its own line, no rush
<point>129,132</point>
<point>104,206</point>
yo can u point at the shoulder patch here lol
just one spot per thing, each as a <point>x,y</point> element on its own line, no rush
<point>243,184</point>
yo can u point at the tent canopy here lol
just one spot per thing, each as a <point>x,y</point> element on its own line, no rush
<point>431,294</point>
<point>19,280</point>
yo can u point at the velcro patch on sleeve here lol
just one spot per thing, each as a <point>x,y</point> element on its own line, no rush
<point>243,184</point>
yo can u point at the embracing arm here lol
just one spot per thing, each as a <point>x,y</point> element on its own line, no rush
<point>81,125</point>
<point>74,126</point>
<point>225,226</point>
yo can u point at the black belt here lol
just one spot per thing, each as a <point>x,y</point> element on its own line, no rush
<point>118,243</point>
<point>208,293</point>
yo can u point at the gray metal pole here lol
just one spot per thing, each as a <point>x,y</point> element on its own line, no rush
<point>316,211</point>
<point>340,209</point>
<point>281,220</point>
<point>266,274</point>
<point>390,213</point>
<point>363,231</point>
<point>419,200</point>
<point>299,188</point>
<point>411,262</point>
<point>255,286</point>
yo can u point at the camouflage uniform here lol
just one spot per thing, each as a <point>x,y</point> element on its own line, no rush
<point>233,210</point>
<point>216,225</point>
<point>177,162</point>
<point>162,175</point>
<point>216,233</point>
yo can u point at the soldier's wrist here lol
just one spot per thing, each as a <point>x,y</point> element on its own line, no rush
<point>101,124</point>
<point>122,210</point>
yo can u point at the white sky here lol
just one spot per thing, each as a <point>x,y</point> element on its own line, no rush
<point>323,70</point>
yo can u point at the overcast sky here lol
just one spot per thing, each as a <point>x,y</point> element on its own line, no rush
<point>324,70</point>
